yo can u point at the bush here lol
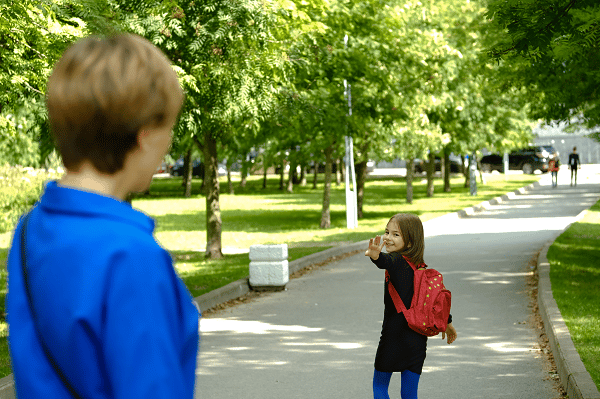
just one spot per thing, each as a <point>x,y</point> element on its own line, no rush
<point>20,188</point>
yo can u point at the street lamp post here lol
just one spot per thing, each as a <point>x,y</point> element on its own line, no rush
<point>351,203</point>
<point>473,174</point>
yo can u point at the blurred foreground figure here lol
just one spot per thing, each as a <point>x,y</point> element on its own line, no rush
<point>95,308</point>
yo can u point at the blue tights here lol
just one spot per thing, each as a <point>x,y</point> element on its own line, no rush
<point>408,388</point>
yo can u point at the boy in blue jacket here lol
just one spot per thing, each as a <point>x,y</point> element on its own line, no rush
<point>95,308</point>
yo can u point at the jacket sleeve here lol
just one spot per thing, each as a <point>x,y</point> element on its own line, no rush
<point>144,328</point>
<point>385,261</point>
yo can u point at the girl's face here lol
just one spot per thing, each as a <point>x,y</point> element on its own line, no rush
<point>393,237</point>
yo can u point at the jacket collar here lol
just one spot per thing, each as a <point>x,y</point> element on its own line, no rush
<point>68,200</point>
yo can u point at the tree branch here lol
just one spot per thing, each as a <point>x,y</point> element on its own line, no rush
<point>33,88</point>
<point>499,54</point>
<point>198,143</point>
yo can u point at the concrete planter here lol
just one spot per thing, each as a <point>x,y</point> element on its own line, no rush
<point>269,270</point>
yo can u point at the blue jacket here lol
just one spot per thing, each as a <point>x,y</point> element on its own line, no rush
<point>115,315</point>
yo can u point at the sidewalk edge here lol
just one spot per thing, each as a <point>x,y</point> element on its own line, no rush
<point>7,387</point>
<point>463,213</point>
<point>574,377</point>
<point>241,287</point>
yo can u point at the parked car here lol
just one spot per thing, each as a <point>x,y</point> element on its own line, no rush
<point>455,163</point>
<point>197,168</point>
<point>528,160</point>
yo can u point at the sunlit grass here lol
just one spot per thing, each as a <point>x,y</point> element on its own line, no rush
<point>575,275</point>
<point>257,216</point>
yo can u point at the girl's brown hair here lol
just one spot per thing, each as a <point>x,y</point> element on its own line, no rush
<point>412,233</point>
<point>102,92</point>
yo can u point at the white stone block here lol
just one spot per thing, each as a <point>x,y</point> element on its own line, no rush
<point>269,274</point>
<point>264,253</point>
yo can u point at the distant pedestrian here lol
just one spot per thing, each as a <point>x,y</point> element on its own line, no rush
<point>574,165</point>
<point>400,348</point>
<point>95,307</point>
<point>553,167</point>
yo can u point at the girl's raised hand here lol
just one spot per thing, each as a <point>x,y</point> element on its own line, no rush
<point>375,247</point>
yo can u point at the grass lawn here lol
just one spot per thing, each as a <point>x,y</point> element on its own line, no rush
<point>264,216</point>
<point>575,275</point>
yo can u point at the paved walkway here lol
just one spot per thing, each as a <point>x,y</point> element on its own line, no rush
<point>318,338</point>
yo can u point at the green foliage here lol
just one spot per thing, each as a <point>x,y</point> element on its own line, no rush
<point>550,48</point>
<point>33,34</point>
<point>16,147</point>
<point>225,55</point>
<point>20,188</point>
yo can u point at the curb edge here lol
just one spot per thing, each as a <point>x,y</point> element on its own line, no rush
<point>463,213</point>
<point>574,377</point>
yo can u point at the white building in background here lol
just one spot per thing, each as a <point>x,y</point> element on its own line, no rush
<point>555,135</point>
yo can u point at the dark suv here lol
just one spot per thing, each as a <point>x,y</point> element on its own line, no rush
<point>197,168</point>
<point>455,164</point>
<point>527,159</point>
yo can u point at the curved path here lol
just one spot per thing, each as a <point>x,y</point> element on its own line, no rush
<point>318,338</point>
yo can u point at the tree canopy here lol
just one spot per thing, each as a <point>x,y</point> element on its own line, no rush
<point>551,48</point>
<point>271,77</point>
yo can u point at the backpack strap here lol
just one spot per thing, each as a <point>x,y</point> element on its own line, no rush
<point>392,290</point>
<point>47,352</point>
<point>394,294</point>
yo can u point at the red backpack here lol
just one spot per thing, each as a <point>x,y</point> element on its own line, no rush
<point>430,306</point>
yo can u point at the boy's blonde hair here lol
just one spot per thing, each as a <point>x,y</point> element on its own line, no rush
<point>411,229</point>
<point>102,92</point>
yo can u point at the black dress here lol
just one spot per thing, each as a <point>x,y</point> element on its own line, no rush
<point>400,348</point>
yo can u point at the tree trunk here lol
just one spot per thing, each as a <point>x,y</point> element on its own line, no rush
<point>303,175</point>
<point>281,175</point>
<point>430,173</point>
<point>264,186</point>
<point>447,187</point>
<point>213,210</point>
<point>338,172</point>
<point>316,176</point>
<point>325,213</point>
<point>187,173</point>
<point>480,172</point>
<point>229,181</point>
<point>290,182</point>
<point>244,173</point>
<point>200,146</point>
<point>361,178</point>
<point>410,173</point>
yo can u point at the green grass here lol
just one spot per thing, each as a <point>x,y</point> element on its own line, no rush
<point>268,216</point>
<point>202,276</point>
<point>575,275</point>
<point>256,215</point>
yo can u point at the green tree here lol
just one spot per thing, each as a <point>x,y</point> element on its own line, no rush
<point>551,49</point>
<point>33,35</point>
<point>228,61</point>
